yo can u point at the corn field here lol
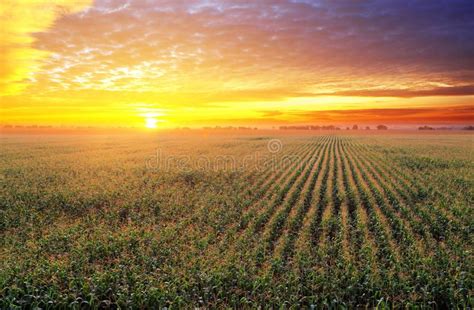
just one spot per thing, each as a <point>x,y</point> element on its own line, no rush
<point>342,220</point>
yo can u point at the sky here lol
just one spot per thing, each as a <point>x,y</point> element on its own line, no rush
<point>171,63</point>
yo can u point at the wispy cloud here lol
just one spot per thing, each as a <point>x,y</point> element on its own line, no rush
<point>19,20</point>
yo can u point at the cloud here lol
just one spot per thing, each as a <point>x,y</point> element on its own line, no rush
<point>232,45</point>
<point>225,54</point>
<point>409,93</point>
<point>19,19</point>
<point>428,115</point>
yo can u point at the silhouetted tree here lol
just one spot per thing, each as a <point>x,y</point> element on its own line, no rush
<point>382,127</point>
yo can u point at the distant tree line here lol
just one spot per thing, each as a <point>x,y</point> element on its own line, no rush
<point>230,128</point>
<point>444,128</point>
<point>329,127</point>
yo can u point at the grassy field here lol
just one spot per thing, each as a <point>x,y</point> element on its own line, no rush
<point>268,220</point>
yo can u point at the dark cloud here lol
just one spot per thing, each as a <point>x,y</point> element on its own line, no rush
<point>428,115</point>
<point>408,93</point>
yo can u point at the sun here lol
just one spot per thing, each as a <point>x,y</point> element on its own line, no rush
<point>151,116</point>
<point>150,122</point>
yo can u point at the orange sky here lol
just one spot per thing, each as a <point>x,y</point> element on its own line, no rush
<point>197,63</point>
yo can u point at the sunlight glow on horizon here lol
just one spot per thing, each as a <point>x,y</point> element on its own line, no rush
<point>151,123</point>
